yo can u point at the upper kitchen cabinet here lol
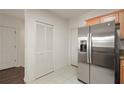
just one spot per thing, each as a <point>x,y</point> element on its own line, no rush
<point>118,16</point>
<point>93,21</point>
<point>121,21</point>
<point>110,17</point>
<point>104,18</point>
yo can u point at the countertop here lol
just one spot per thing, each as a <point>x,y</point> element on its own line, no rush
<point>122,54</point>
<point>122,57</point>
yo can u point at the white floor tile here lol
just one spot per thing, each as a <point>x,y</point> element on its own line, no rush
<point>65,75</point>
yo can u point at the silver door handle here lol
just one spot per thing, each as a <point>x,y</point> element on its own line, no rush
<point>90,49</point>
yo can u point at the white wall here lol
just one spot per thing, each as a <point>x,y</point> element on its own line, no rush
<point>78,22</point>
<point>18,24</point>
<point>60,41</point>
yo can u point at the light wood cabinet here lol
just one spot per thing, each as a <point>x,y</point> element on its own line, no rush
<point>122,71</point>
<point>93,21</point>
<point>110,17</point>
<point>118,16</point>
<point>104,18</point>
<point>121,21</point>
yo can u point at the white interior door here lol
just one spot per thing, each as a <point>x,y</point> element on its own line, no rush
<point>43,51</point>
<point>8,47</point>
<point>48,48</point>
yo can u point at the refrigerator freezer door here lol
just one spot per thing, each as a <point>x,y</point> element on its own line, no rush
<point>102,53</point>
<point>101,75</point>
<point>83,54</point>
<point>83,72</point>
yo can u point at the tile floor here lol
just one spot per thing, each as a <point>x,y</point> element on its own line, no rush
<point>65,75</point>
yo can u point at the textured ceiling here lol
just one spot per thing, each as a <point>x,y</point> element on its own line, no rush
<point>70,13</point>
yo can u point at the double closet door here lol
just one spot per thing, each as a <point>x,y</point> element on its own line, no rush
<point>43,49</point>
<point>7,48</point>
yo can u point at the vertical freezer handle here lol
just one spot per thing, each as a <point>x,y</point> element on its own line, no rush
<point>88,60</point>
<point>90,48</point>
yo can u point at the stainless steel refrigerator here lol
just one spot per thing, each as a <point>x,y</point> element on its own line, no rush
<point>98,54</point>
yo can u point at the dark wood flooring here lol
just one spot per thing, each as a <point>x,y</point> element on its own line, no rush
<point>13,75</point>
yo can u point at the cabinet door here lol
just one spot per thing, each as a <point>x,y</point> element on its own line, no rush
<point>121,20</point>
<point>93,21</point>
<point>110,17</point>
<point>122,72</point>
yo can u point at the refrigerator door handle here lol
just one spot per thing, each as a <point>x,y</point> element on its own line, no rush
<point>90,49</point>
<point>88,60</point>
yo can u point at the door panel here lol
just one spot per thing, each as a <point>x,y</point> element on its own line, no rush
<point>49,48</point>
<point>83,59</point>
<point>103,56</point>
<point>43,51</point>
<point>103,35</point>
<point>100,75</point>
<point>39,50</point>
<point>40,38</point>
<point>49,38</point>
<point>39,66</point>
<point>8,47</point>
<point>83,44</point>
<point>102,53</point>
<point>48,62</point>
<point>105,60</point>
<point>83,72</point>
<point>121,21</point>
<point>44,64</point>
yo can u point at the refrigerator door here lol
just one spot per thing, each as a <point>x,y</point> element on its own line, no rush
<point>83,54</point>
<point>102,55</point>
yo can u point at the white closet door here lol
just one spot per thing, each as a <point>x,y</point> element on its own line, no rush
<point>39,51</point>
<point>43,51</point>
<point>8,48</point>
<point>40,38</point>
<point>49,38</point>
<point>48,48</point>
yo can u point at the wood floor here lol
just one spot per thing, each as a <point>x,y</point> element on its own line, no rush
<point>13,75</point>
